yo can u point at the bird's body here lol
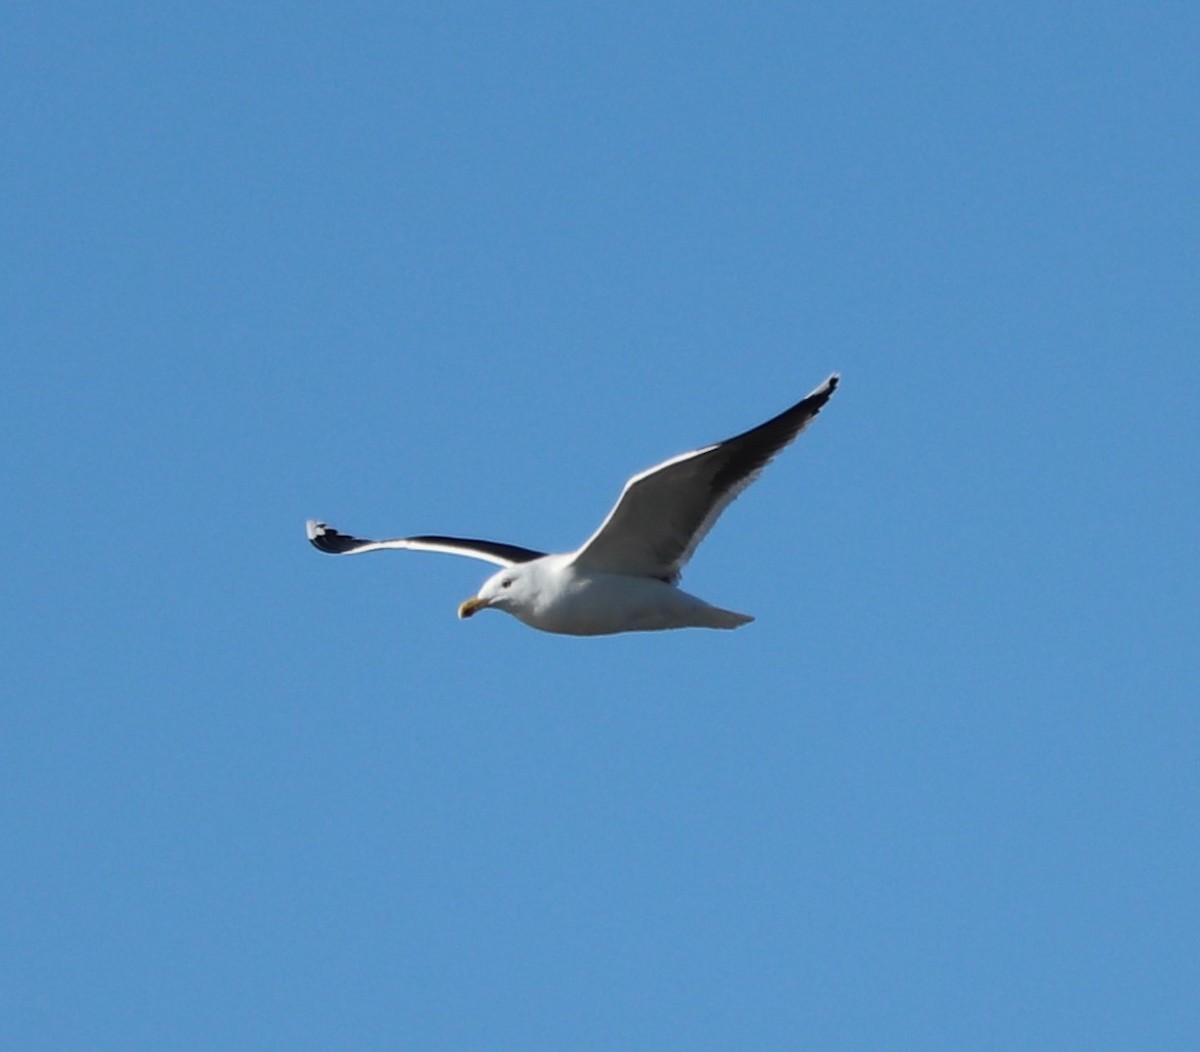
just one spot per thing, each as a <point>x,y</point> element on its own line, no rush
<point>624,577</point>
<point>553,594</point>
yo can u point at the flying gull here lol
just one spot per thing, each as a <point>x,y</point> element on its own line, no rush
<point>624,577</point>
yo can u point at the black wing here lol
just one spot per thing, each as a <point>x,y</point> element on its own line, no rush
<point>327,539</point>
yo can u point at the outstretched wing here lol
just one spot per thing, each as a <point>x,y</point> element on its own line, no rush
<point>327,539</point>
<point>663,513</point>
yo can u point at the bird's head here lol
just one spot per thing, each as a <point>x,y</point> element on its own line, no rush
<point>507,590</point>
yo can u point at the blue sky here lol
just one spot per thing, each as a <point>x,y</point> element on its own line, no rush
<point>464,268</point>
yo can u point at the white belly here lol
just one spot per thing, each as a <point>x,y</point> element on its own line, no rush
<point>601,604</point>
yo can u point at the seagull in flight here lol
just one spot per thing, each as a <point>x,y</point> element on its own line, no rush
<point>624,578</point>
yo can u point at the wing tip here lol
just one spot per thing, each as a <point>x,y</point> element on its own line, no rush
<point>816,401</point>
<point>326,539</point>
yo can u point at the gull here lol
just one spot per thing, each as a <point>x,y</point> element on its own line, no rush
<point>624,577</point>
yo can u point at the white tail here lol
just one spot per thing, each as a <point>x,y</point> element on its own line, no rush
<point>726,618</point>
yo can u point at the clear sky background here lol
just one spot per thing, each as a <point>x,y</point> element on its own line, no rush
<point>464,268</point>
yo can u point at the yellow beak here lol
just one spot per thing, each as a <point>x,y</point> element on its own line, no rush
<point>472,606</point>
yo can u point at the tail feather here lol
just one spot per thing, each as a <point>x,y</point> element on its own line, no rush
<point>727,618</point>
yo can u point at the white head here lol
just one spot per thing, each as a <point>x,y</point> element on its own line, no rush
<point>513,589</point>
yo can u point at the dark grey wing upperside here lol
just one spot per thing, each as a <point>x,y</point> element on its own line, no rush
<point>326,539</point>
<point>741,458</point>
<point>510,553</point>
<point>663,513</point>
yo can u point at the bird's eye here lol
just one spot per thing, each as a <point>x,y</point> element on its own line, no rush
<point>506,583</point>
